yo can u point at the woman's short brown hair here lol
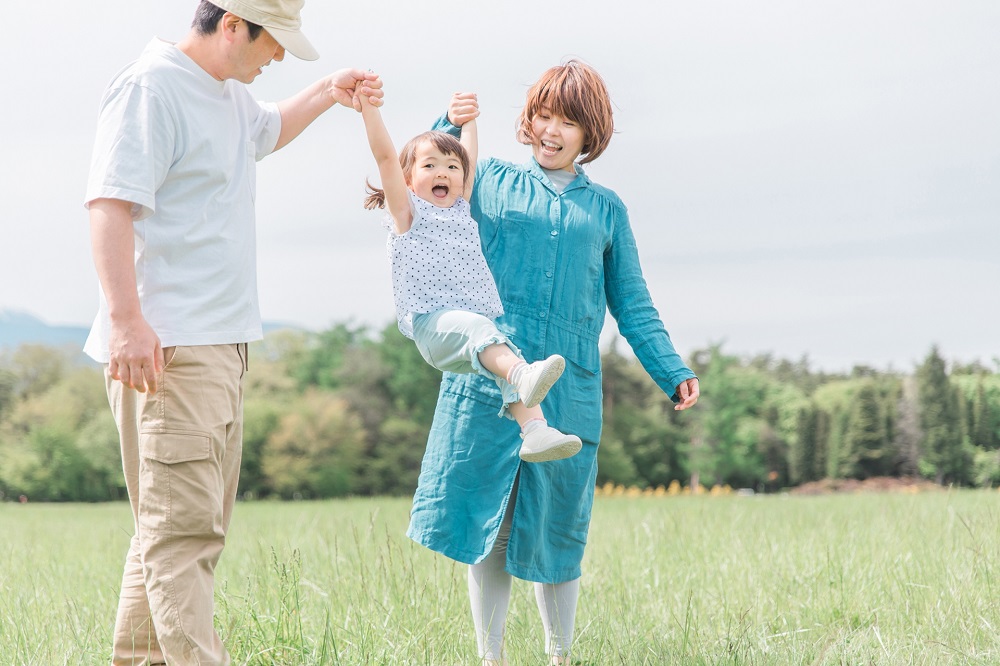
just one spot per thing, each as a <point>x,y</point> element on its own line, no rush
<point>576,91</point>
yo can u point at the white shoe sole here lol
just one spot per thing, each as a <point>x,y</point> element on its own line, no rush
<point>567,449</point>
<point>545,382</point>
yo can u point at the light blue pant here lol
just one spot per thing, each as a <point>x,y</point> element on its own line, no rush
<point>450,340</point>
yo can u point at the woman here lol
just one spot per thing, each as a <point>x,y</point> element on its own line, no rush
<point>562,253</point>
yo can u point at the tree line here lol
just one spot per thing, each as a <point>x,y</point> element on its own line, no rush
<point>347,412</point>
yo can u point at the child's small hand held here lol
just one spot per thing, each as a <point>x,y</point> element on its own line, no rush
<point>371,89</point>
<point>346,86</point>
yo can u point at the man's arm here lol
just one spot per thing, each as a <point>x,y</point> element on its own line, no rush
<point>136,355</point>
<point>299,111</point>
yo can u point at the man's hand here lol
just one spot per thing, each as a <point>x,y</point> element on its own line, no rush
<point>463,108</point>
<point>347,84</point>
<point>136,354</point>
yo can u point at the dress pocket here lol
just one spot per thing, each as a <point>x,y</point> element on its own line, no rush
<point>583,353</point>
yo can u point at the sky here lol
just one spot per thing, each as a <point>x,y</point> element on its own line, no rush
<point>814,180</point>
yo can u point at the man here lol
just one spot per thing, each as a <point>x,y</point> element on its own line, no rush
<point>171,201</point>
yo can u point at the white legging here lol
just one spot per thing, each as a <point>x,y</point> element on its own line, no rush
<point>489,592</point>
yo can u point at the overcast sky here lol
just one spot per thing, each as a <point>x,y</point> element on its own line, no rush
<point>804,178</point>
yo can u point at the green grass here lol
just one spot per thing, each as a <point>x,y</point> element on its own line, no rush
<point>859,579</point>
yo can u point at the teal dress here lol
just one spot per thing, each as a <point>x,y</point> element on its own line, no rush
<point>561,261</point>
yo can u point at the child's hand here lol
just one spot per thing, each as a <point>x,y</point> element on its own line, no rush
<point>360,100</point>
<point>463,108</point>
<point>348,85</point>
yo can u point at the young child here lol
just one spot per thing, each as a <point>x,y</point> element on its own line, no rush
<point>446,298</point>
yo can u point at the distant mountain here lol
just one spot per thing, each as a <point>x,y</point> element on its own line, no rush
<point>17,328</point>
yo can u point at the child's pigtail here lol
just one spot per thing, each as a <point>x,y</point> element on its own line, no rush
<point>375,198</point>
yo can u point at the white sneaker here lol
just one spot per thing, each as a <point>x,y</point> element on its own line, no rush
<point>545,443</point>
<point>534,380</point>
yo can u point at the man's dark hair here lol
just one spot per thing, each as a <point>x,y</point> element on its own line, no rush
<point>207,17</point>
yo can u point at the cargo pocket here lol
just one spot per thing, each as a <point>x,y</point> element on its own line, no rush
<point>181,484</point>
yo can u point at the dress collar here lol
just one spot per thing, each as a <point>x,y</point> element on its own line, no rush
<point>582,179</point>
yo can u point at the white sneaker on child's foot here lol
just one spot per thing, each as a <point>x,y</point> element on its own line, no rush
<point>534,380</point>
<point>544,443</point>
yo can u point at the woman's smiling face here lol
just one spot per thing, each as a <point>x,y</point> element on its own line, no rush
<point>556,141</point>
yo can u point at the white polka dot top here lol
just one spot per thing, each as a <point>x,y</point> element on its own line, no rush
<point>439,264</point>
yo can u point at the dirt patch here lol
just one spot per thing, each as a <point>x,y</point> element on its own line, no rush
<point>876,484</point>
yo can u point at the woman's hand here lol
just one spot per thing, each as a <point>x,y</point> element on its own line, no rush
<point>463,108</point>
<point>688,391</point>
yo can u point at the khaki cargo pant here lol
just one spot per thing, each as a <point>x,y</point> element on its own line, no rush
<point>181,452</point>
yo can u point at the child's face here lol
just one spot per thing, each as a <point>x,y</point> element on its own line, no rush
<point>556,141</point>
<point>435,176</point>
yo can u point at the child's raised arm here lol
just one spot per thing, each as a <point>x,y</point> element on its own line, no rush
<point>397,200</point>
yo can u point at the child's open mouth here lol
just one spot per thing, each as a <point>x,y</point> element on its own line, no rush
<point>440,191</point>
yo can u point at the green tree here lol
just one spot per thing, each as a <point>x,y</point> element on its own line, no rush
<point>261,419</point>
<point>773,448</point>
<point>866,438</point>
<point>393,390</point>
<point>720,450</point>
<point>943,454</point>
<point>393,465</point>
<point>8,391</point>
<point>410,383</point>
<point>37,368</point>
<point>270,390</point>
<point>320,362</point>
<point>802,464</point>
<point>907,436</point>
<point>61,444</point>
<point>653,440</point>
<point>642,434</point>
<point>984,420</point>
<point>316,449</point>
<point>97,441</point>
<point>836,400</point>
<point>823,433</point>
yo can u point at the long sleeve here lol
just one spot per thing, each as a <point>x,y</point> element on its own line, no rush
<point>632,307</point>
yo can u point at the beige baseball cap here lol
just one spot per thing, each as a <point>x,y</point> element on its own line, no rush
<point>281,19</point>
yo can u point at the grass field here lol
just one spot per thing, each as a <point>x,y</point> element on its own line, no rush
<point>841,579</point>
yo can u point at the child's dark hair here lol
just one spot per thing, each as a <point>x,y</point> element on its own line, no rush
<point>446,143</point>
<point>576,91</point>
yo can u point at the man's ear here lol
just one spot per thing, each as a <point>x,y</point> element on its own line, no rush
<point>230,24</point>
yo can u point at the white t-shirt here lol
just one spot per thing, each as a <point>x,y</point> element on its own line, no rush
<point>439,264</point>
<point>182,147</point>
